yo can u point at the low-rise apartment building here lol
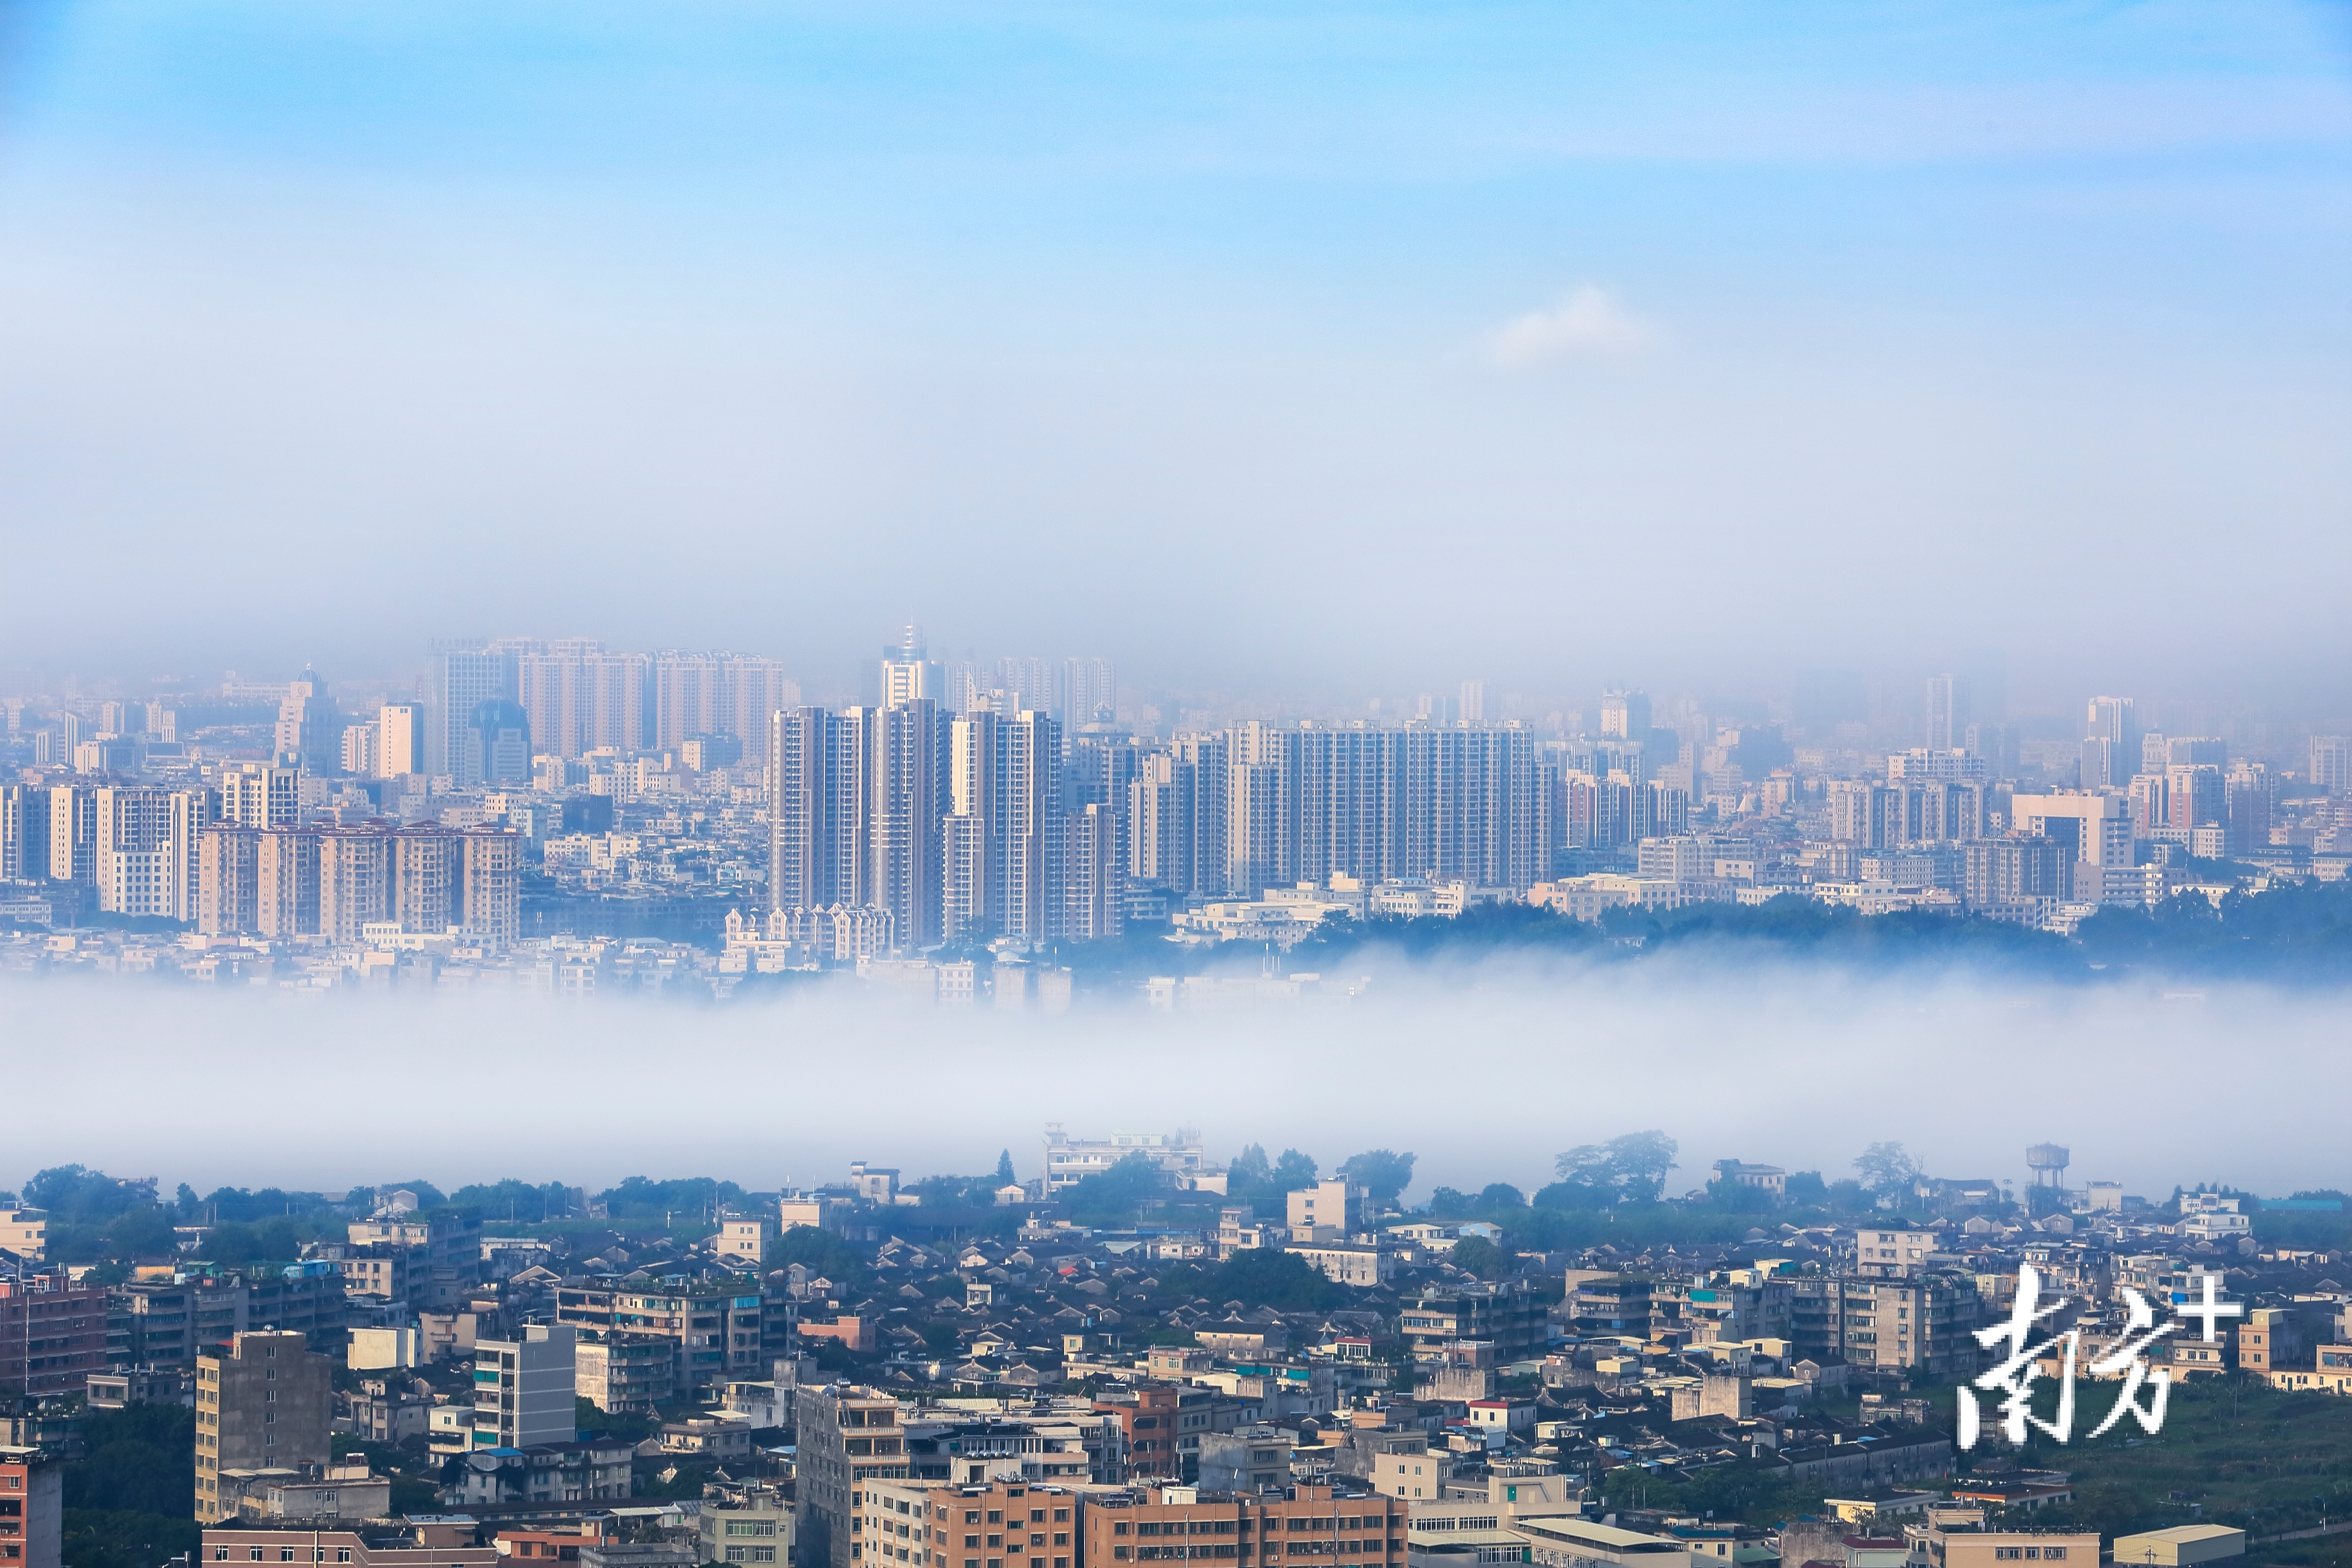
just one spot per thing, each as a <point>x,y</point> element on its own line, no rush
<point>995,1524</point>
<point>264,1404</point>
<point>53,1334</point>
<point>754,1526</point>
<point>1507,1313</point>
<point>418,1546</point>
<point>1299,1525</point>
<point>849,1436</point>
<point>625,1371</point>
<point>1363,1265</point>
<point>720,1330</point>
<point>32,1509</point>
<point>1567,1541</point>
<point>1164,1425</point>
<point>2010,1548</point>
<point>524,1388</point>
<point>1924,1323</point>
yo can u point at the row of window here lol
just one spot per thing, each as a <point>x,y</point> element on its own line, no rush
<point>1349,1551</point>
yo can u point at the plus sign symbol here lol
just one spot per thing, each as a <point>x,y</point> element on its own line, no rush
<point>2211,1309</point>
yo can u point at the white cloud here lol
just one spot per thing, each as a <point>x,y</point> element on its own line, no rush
<point>1589,324</point>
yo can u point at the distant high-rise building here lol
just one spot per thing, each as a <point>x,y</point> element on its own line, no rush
<point>132,859</point>
<point>1947,712</point>
<point>1473,701</point>
<point>2094,829</point>
<point>717,694</point>
<point>285,884</point>
<point>800,816</point>
<point>359,750</point>
<point>1031,799</point>
<point>1094,879</point>
<point>2248,794</point>
<point>73,834</point>
<point>2110,718</point>
<point>1026,683</point>
<point>2022,870</point>
<point>228,885</point>
<point>309,731</point>
<point>2331,763</point>
<point>2195,751</point>
<point>2103,764</point>
<point>582,698</point>
<point>973,835</point>
<point>908,673</point>
<point>1625,713</point>
<point>907,767</point>
<point>23,832</point>
<point>256,794</point>
<point>1997,744</point>
<point>1087,694</point>
<point>2194,796</point>
<point>354,882</point>
<point>460,682</point>
<point>498,743</point>
<point>400,740</point>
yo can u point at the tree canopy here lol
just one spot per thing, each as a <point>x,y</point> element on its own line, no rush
<point>1381,1173</point>
<point>1633,1166</point>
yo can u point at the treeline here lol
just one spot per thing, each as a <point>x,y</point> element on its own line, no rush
<point>2300,932</point>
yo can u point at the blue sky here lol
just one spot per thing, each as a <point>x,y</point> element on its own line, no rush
<point>1388,344</point>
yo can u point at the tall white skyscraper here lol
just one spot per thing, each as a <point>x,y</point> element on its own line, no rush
<point>462,678</point>
<point>907,672</point>
<point>1947,712</point>
<point>1625,713</point>
<point>309,731</point>
<point>1087,693</point>
<point>716,694</point>
<point>582,698</point>
<point>1031,803</point>
<point>399,740</point>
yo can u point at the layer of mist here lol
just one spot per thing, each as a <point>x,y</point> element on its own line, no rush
<point>1486,1072</point>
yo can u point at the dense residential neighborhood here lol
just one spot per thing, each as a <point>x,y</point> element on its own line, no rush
<point>1135,1341</point>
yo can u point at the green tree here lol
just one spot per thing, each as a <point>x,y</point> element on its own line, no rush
<point>1885,1169</point>
<point>1501,1196</point>
<point>141,1459</point>
<point>1268,1276</point>
<point>1479,1255</point>
<point>1806,1188</point>
<point>1005,1176</point>
<point>686,1198</point>
<point>1119,1191</point>
<point>1381,1173</point>
<point>526,1203</point>
<point>1294,1171</point>
<point>78,1192</point>
<point>1634,1166</point>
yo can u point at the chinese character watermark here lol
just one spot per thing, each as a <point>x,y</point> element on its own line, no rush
<point>2015,1374</point>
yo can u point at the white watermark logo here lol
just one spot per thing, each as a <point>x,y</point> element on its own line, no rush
<point>2015,1374</point>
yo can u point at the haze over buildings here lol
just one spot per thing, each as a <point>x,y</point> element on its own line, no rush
<point>1293,353</point>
